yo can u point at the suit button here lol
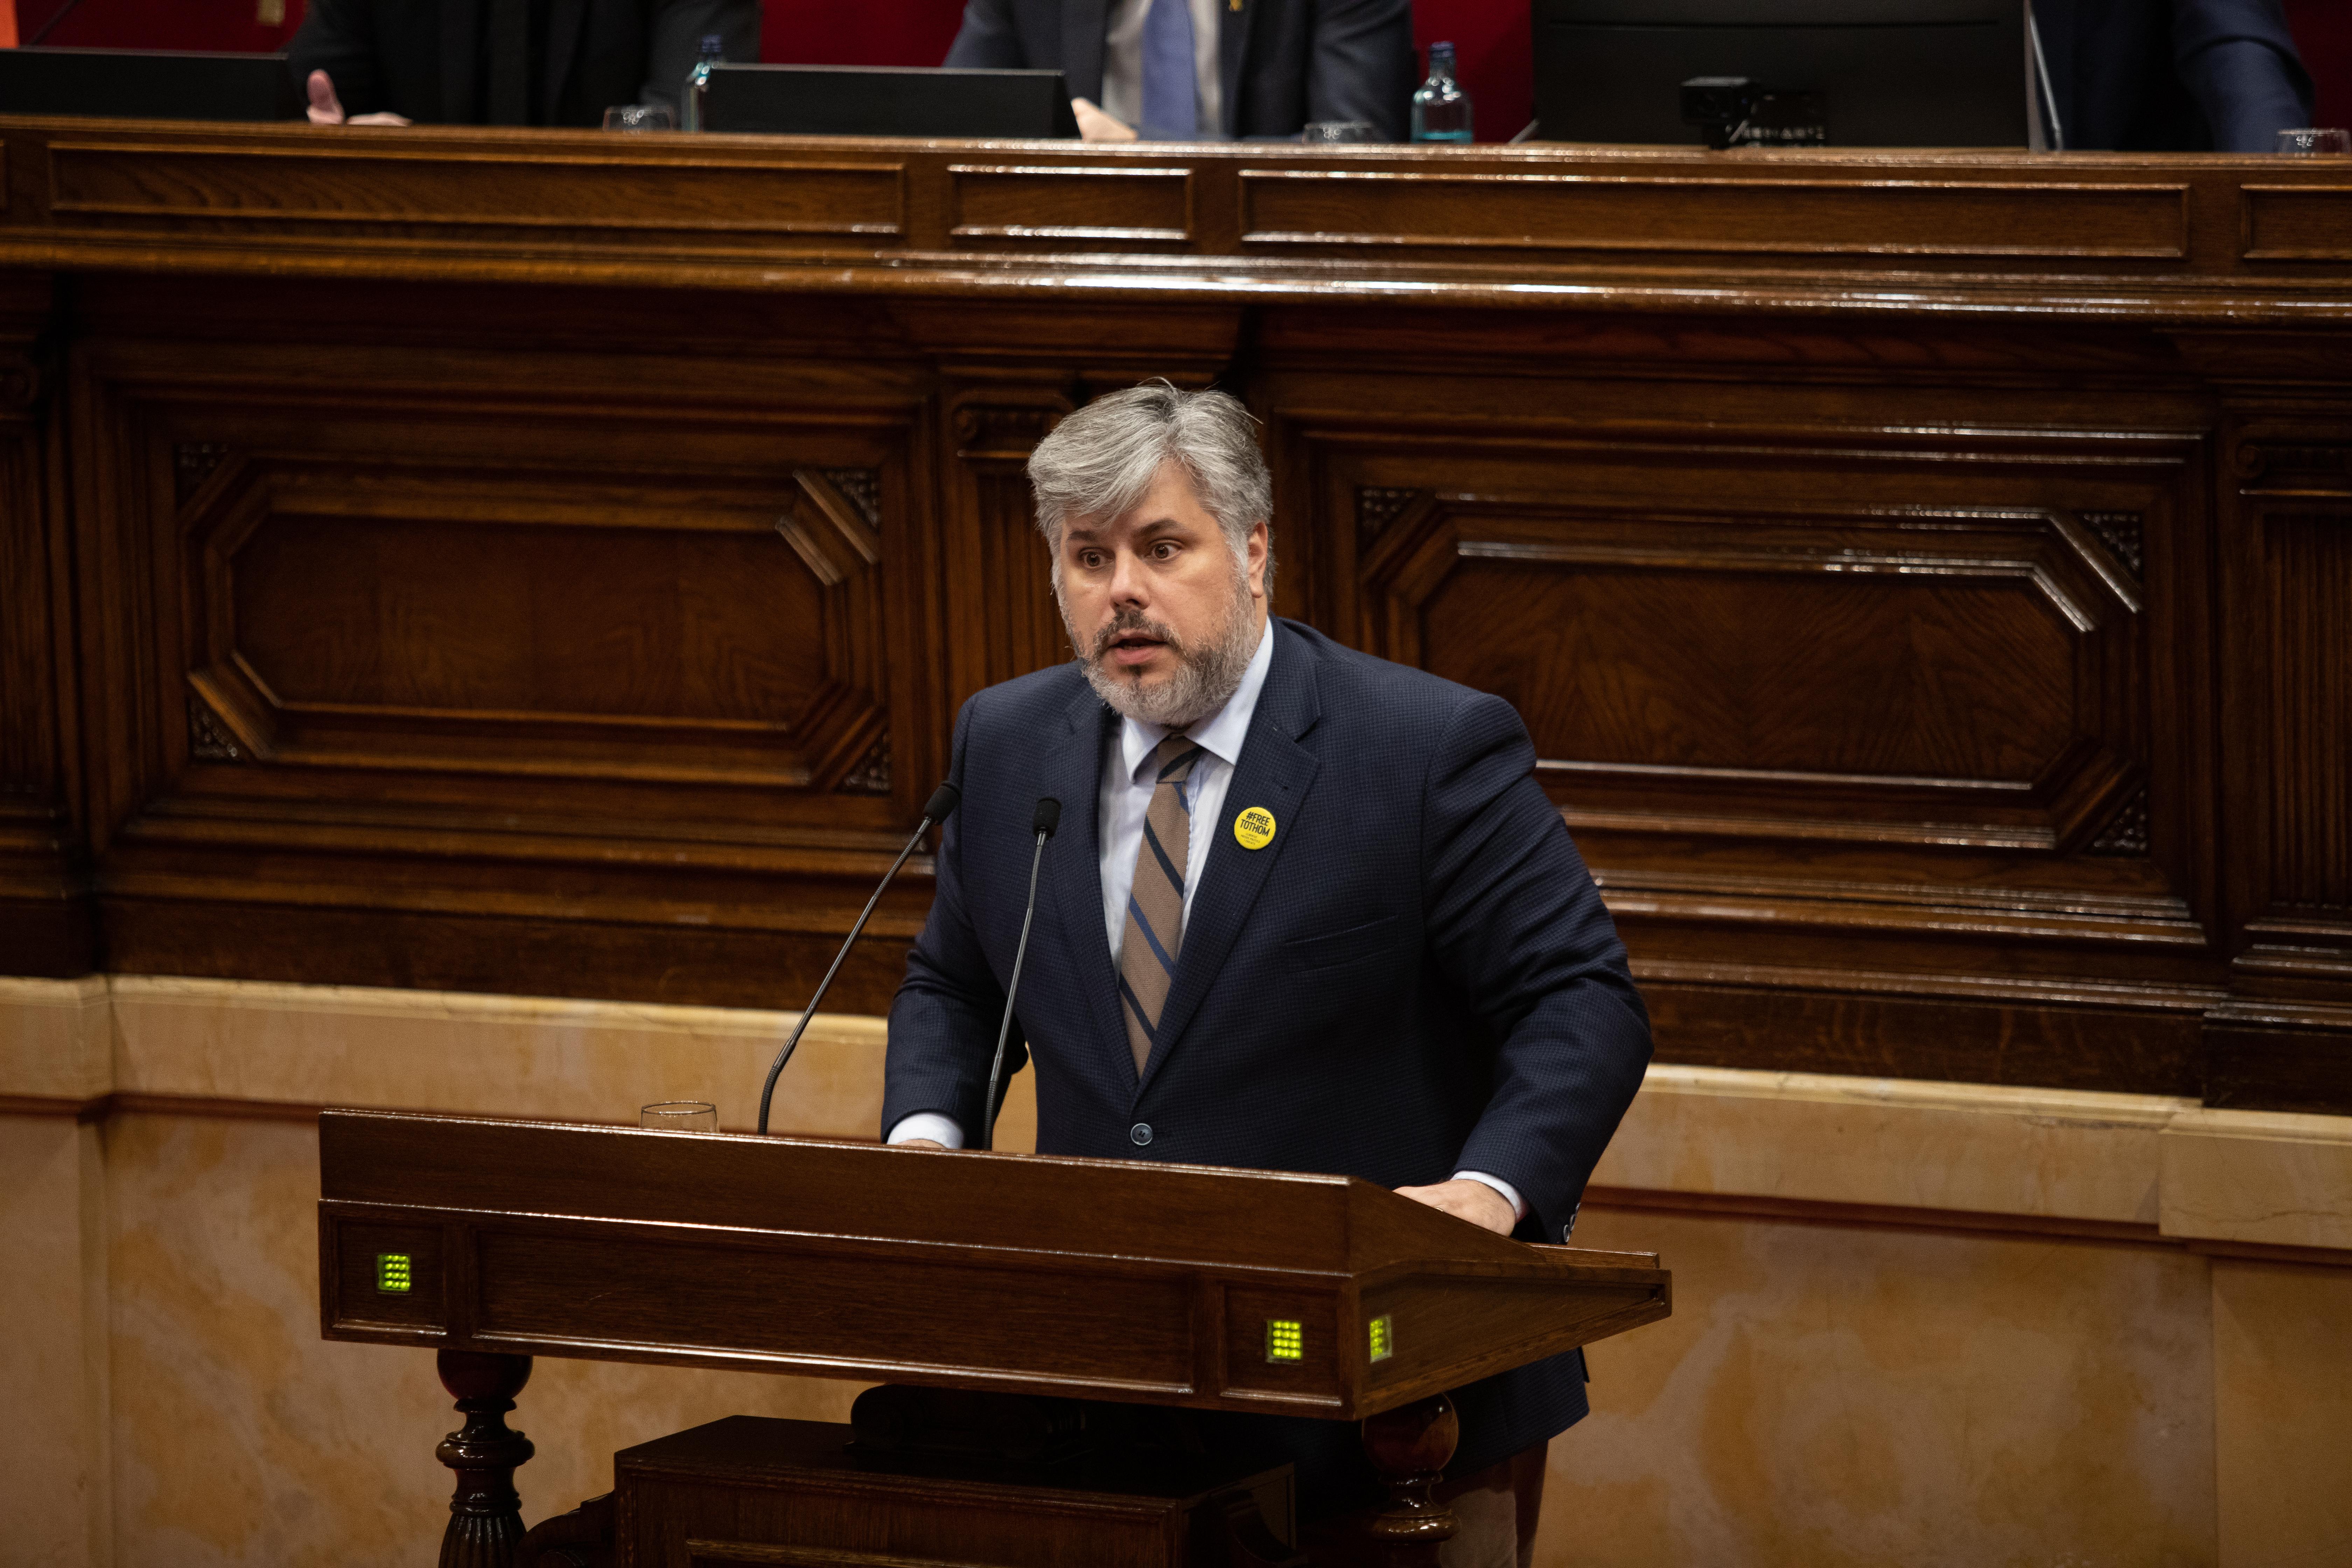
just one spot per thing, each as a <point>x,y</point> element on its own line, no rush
<point>1140,1133</point>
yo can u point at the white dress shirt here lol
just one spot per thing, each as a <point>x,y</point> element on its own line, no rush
<point>1123,88</point>
<point>1128,783</point>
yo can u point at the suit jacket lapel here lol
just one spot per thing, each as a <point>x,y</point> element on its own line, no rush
<point>461,60</point>
<point>564,20</point>
<point>1082,53</point>
<point>1071,882</point>
<point>1275,772</point>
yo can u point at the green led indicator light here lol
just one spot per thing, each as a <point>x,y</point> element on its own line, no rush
<point>1383,1338</point>
<point>392,1273</point>
<point>1285,1339</point>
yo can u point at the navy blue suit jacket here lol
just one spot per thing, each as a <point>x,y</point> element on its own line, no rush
<point>1283,62</point>
<point>1416,976</point>
<point>2166,75</point>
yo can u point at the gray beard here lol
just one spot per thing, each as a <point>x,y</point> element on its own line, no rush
<point>1207,677</point>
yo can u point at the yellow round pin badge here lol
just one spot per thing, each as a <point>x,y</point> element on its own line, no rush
<point>1254,829</point>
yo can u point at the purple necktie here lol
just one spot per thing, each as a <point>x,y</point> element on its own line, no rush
<point>1170,107</point>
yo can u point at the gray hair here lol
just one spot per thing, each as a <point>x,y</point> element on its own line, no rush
<point>1100,460</point>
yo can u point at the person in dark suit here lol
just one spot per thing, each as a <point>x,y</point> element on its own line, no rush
<point>1306,911</point>
<point>506,62</point>
<point>2172,74</point>
<point>1205,69</point>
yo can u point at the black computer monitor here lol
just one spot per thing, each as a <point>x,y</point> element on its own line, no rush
<point>147,84</point>
<point>1889,73</point>
<point>881,100</point>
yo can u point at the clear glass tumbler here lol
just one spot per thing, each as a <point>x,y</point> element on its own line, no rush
<point>2311,140</point>
<point>679,1116</point>
<point>640,117</point>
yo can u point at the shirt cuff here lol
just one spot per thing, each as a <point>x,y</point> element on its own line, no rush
<point>927,1124</point>
<point>1510,1193</point>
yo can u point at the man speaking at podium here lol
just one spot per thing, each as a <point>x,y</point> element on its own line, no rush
<point>1308,911</point>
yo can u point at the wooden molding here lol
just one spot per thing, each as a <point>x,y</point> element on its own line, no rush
<point>2113,236</point>
<point>1954,1222</point>
<point>537,562</point>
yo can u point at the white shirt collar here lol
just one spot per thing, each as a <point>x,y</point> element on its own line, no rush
<point>1223,733</point>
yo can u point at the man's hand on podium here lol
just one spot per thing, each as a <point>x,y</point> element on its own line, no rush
<point>326,108</point>
<point>1094,125</point>
<point>920,1143</point>
<point>1474,1201</point>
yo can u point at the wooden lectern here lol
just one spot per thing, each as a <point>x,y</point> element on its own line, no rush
<point>1102,1280</point>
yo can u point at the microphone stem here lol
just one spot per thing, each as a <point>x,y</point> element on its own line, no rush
<point>1005,1030</point>
<point>768,1089</point>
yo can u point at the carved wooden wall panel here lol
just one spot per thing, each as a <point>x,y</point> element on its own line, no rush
<point>1897,675</point>
<point>536,621</point>
<point>555,567</point>
<point>47,924</point>
<point>513,656</point>
<point>2289,683</point>
<point>355,188</point>
<point>1005,613</point>
<point>1847,720</point>
<point>1457,211</point>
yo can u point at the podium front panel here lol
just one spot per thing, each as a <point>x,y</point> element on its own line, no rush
<point>1109,1279</point>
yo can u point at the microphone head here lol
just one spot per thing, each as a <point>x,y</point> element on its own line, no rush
<point>943,802</point>
<point>1048,817</point>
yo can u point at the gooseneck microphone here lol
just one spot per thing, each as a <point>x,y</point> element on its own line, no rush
<point>1048,817</point>
<point>943,801</point>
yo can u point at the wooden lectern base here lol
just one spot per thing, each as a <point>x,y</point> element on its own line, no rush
<point>486,1514</point>
<point>810,1494</point>
<point>749,1489</point>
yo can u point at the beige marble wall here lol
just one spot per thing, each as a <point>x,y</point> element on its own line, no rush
<point>1831,1396</point>
<point>54,1503</point>
<point>1837,1391</point>
<point>497,1056</point>
<point>1974,1148</point>
<point>57,1038</point>
<point>242,1438</point>
<point>2282,1353</point>
<point>2259,1176</point>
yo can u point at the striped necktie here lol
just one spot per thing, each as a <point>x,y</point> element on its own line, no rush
<point>1155,901</point>
<point>1171,107</point>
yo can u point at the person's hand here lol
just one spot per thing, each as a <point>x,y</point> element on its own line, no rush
<point>1094,125</point>
<point>1474,1201</point>
<point>920,1143</point>
<point>326,108</point>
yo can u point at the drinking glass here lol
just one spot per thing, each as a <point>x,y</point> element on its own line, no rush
<point>640,117</point>
<point>2313,139</point>
<point>679,1116</point>
<point>1329,132</point>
